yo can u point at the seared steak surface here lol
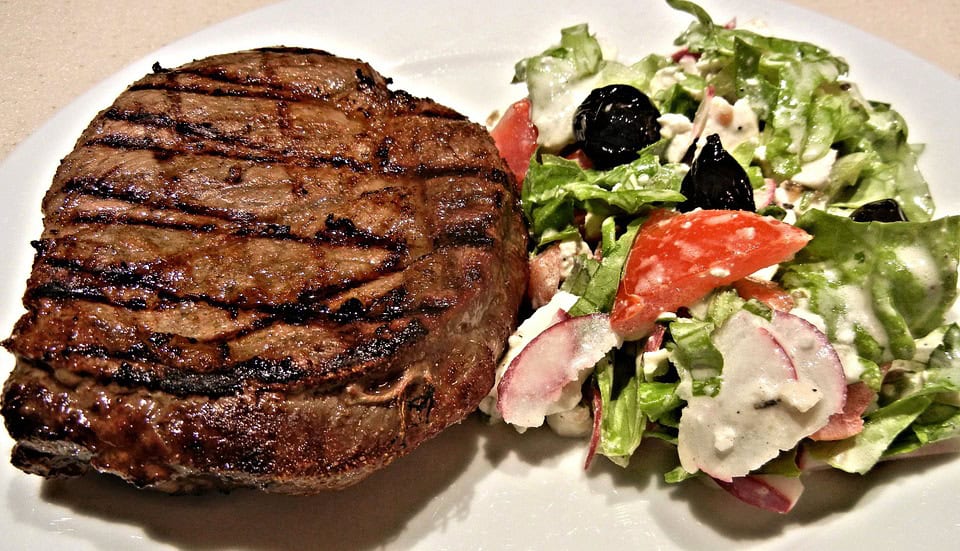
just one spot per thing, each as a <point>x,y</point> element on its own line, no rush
<point>263,269</point>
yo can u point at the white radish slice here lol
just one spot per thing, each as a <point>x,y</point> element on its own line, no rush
<point>771,492</point>
<point>546,376</point>
<point>767,195</point>
<point>547,315</point>
<point>781,382</point>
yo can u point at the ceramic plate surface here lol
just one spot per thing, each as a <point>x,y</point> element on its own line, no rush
<point>478,486</point>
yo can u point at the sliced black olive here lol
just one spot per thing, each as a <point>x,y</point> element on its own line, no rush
<point>614,123</point>
<point>884,210</point>
<point>716,181</point>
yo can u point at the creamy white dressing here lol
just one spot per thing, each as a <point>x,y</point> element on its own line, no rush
<point>666,78</point>
<point>856,307</point>
<point>556,100</point>
<point>922,266</point>
<point>719,272</point>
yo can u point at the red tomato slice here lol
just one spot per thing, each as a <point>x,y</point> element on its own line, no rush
<point>516,138</point>
<point>677,259</point>
<point>767,292</point>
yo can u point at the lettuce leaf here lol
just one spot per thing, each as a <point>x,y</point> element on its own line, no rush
<point>628,402</point>
<point>860,453</point>
<point>598,284</point>
<point>555,188</point>
<point>918,408</point>
<point>877,285</point>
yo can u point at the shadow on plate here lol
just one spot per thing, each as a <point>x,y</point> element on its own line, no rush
<point>827,493</point>
<point>369,515</point>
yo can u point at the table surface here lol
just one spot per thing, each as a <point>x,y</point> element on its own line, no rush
<point>55,51</point>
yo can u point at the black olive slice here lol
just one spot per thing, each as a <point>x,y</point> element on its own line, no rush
<point>716,181</point>
<point>614,123</point>
<point>883,210</point>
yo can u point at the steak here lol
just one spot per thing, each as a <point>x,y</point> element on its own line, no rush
<point>263,269</point>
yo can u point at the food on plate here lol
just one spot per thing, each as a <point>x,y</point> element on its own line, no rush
<point>758,236</point>
<point>263,269</point>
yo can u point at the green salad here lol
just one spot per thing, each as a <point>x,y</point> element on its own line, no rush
<point>733,252</point>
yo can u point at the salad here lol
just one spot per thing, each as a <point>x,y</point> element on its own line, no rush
<point>733,252</point>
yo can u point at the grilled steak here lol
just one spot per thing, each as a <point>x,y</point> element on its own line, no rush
<point>263,269</point>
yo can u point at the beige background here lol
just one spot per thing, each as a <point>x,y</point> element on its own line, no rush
<point>54,51</point>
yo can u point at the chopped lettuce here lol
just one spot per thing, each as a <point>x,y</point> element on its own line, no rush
<point>860,453</point>
<point>577,56</point>
<point>628,402</point>
<point>877,285</point>
<point>556,188</point>
<point>599,280</point>
<point>695,355</point>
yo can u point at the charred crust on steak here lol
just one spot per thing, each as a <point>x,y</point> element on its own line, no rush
<point>263,269</point>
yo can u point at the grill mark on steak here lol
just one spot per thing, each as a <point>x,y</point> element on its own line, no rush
<point>213,385</point>
<point>120,141</point>
<point>310,305</point>
<point>204,130</point>
<point>339,232</point>
<point>300,311</point>
<point>229,378</point>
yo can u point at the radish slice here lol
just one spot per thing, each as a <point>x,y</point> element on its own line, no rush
<point>596,403</point>
<point>546,376</point>
<point>767,195</point>
<point>547,315</point>
<point>767,491</point>
<point>781,382</point>
<point>848,422</point>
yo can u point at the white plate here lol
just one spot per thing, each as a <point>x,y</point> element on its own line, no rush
<point>477,486</point>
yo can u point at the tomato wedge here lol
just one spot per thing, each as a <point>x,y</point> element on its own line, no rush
<point>677,259</point>
<point>765,291</point>
<point>516,138</point>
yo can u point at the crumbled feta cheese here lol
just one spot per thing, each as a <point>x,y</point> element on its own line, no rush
<point>816,174</point>
<point>724,438</point>
<point>654,363</point>
<point>569,251</point>
<point>735,124</point>
<point>801,396</point>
